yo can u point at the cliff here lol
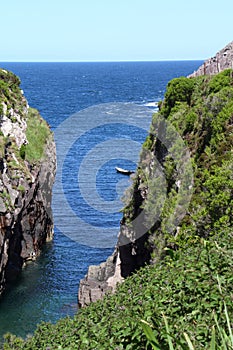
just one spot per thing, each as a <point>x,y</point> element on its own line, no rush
<point>183,185</point>
<point>27,171</point>
<point>222,60</point>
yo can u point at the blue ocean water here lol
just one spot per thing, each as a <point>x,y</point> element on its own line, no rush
<point>47,289</point>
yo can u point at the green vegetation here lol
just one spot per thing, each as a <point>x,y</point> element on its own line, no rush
<point>17,161</point>
<point>6,197</point>
<point>38,133</point>
<point>178,90</point>
<point>21,188</point>
<point>2,146</point>
<point>201,109</point>
<point>184,287</point>
<point>184,301</point>
<point>10,93</point>
<point>226,340</point>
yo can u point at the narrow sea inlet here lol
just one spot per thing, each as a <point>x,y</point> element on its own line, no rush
<point>47,288</point>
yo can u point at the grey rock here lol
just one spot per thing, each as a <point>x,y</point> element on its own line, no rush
<point>100,280</point>
<point>221,61</point>
<point>2,206</point>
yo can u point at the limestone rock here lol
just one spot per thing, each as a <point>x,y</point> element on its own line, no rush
<point>2,207</point>
<point>100,280</point>
<point>222,60</point>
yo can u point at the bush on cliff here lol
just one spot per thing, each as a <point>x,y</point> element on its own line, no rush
<point>10,92</point>
<point>178,90</point>
<point>205,124</point>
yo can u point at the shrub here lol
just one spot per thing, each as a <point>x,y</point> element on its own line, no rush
<point>178,90</point>
<point>220,80</point>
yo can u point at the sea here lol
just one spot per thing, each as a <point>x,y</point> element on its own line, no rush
<point>93,108</point>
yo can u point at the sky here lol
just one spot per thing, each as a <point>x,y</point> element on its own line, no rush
<point>113,30</point>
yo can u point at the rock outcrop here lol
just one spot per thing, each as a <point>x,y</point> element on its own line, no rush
<point>103,278</point>
<point>27,172</point>
<point>100,280</point>
<point>221,61</point>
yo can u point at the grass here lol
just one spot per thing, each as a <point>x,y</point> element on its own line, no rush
<point>179,299</point>
<point>37,135</point>
<point>2,146</point>
<point>225,336</point>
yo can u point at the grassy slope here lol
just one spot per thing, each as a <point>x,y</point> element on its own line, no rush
<point>37,132</point>
<point>185,285</point>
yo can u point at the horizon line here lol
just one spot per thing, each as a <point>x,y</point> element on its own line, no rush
<point>97,61</point>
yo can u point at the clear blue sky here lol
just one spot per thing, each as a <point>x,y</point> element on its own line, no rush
<point>113,30</point>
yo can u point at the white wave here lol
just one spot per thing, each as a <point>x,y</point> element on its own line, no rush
<point>151,104</point>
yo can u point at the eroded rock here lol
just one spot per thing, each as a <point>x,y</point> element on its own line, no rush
<point>221,61</point>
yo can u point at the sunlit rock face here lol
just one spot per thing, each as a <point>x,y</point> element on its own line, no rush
<point>221,61</point>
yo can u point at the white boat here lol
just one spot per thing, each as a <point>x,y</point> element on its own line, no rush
<point>124,171</point>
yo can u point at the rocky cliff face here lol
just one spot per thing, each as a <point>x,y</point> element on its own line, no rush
<point>222,60</point>
<point>133,249</point>
<point>27,171</point>
<point>201,110</point>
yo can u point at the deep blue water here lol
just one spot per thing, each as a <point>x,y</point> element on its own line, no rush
<point>47,289</point>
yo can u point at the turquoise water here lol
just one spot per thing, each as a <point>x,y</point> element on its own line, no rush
<point>47,288</point>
